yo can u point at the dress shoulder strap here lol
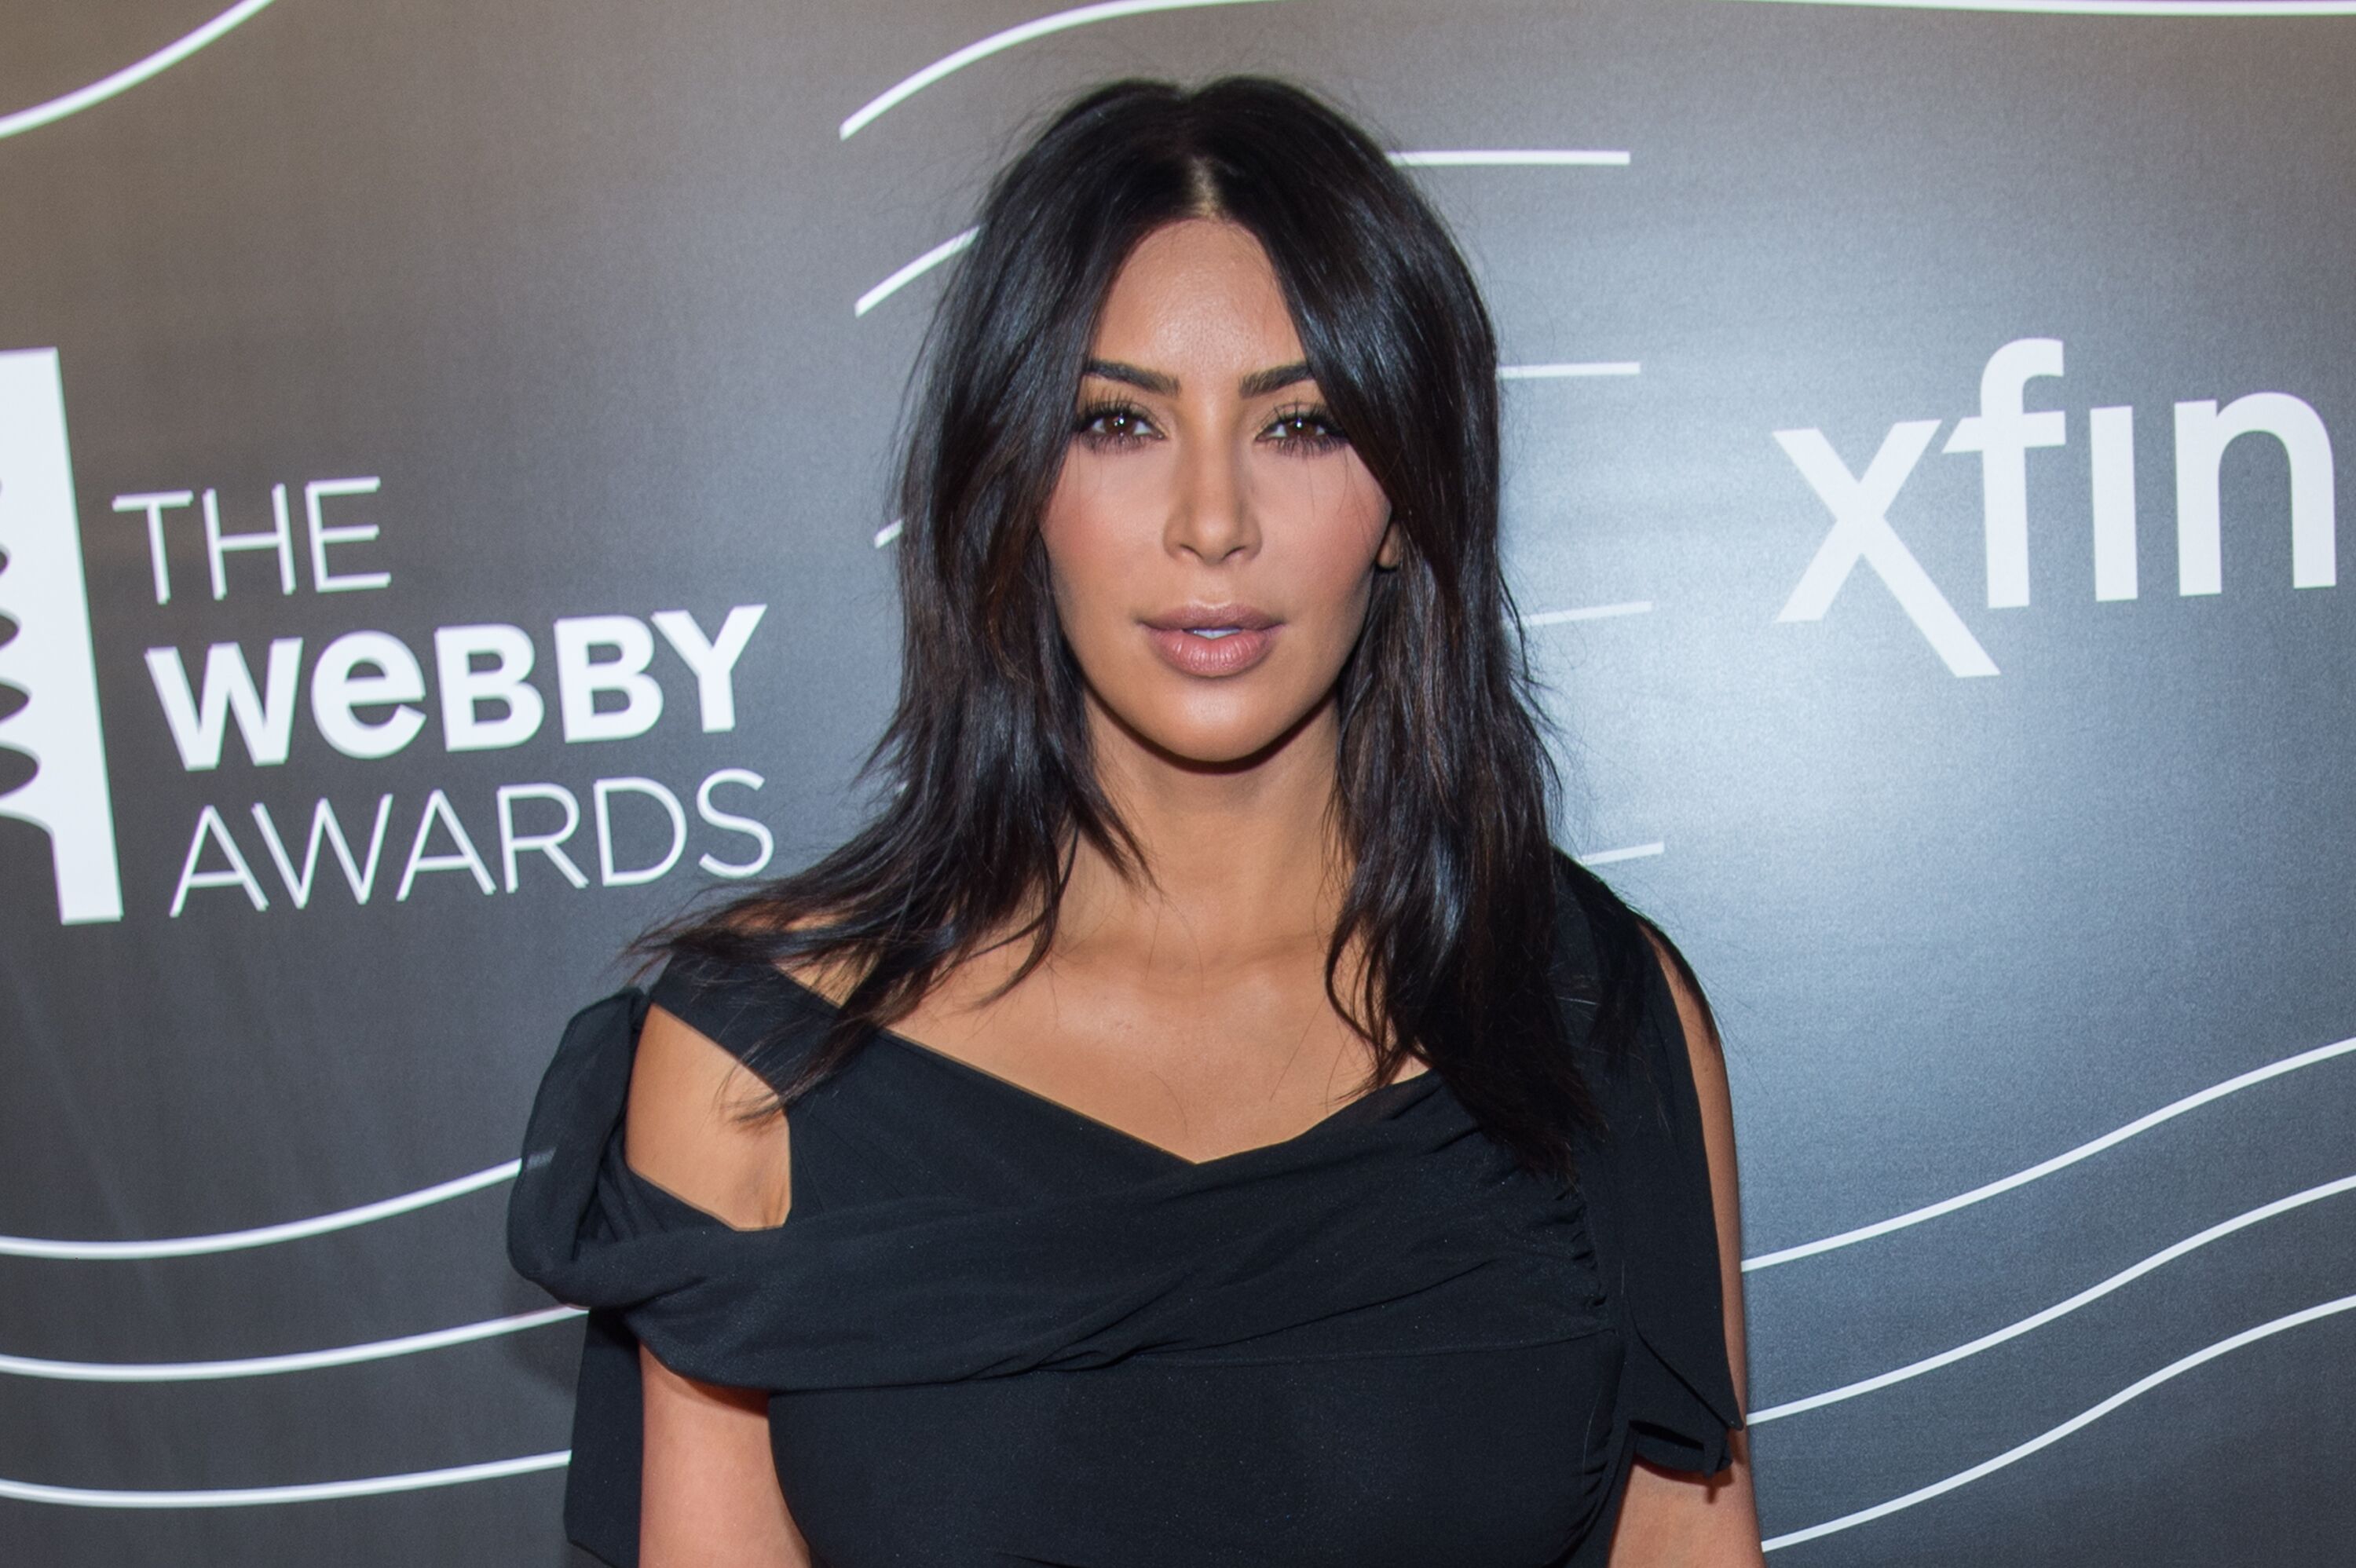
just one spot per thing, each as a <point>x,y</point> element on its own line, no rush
<point>765,1018</point>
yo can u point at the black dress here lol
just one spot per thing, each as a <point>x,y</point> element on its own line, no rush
<point>997,1330</point>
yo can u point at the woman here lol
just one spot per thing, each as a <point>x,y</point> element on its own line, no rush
<point>1200,1119</point>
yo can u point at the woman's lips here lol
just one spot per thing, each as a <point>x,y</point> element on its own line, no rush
<point>1212,650</point>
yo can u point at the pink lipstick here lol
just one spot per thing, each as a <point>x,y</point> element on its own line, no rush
<point>1211,640</point>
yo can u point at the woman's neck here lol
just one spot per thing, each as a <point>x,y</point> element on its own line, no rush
<point>1242,861</point>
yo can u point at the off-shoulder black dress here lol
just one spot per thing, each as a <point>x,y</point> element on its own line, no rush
<point>997,1331</point>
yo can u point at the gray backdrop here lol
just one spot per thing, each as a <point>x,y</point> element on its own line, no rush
<point>1932,562</point>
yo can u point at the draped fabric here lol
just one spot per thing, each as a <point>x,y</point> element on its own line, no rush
<point>997,1330</point>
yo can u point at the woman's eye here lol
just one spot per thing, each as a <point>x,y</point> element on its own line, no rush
<point>1307,429</point>
<point>1111,425</point>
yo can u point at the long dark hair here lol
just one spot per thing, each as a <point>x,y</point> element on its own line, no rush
<point>1444,781</point>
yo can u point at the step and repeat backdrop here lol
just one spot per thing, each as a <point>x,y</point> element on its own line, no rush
<point>444,527</point>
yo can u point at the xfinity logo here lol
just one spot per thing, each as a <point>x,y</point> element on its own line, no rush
<point>49,659</point>
<point>2002,433</point>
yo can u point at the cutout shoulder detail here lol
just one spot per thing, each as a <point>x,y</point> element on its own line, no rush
<point>684,1130</point>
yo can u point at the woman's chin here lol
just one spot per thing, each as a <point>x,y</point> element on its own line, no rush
<point>1222,743</point>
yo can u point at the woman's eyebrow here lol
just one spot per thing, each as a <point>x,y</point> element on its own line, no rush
<point>1259,383</point>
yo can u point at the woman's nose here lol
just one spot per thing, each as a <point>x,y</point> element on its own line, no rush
<point>1211,515</point>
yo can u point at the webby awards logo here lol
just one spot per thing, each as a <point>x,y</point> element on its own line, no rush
<point>366,694</point>
<point>50,659</point>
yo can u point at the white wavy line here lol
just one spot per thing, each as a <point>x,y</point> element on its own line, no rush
<point>2210,8</point>
<point>1024,33</point>
<point>2084,1151</point>
<point>2046,1439</point>
<point>2060,1309</point>
<point>298,1361</point>
<point>1590,613</point>
<point>78,1497</point>
<point>293,1230</point>
<point>309,1491</point>
<point>262,1236</point>
<point>1613,857</point>
<point>130,76</point>
<point>1586,367</point>
<point>913,271</point>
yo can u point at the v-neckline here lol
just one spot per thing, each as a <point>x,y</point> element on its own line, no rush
<point>1049,1103</point>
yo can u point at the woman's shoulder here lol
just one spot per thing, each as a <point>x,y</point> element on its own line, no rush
<point>1659,1170</point>
<point>702,1125</point>
<point>1611,959</point>
<point>726,1025</point>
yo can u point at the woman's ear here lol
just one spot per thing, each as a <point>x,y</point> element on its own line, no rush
<point>1393,547</point>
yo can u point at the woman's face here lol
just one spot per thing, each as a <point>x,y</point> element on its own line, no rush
<point>1211,537</point>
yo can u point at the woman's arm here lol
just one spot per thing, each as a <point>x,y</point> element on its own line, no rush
<point>709,1492</point>
<point>1670,1520</point>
